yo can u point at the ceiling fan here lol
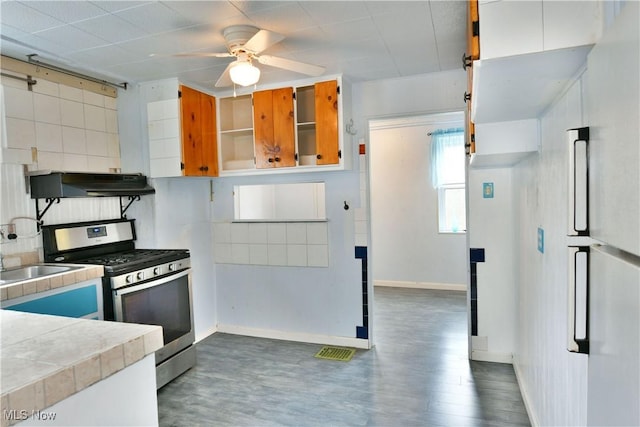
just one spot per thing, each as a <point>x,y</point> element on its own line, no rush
<point>245,43</point>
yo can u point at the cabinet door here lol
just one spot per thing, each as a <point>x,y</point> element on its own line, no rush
<point>274,128</point>
<point>326,106</point>
<point>473,30</point>
<point>209,135</point>
<point>198,125</point>
<point>79,300</point>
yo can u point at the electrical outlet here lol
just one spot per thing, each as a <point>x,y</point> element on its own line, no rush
<point>5,230</point>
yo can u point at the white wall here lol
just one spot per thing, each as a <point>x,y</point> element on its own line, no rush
<point>404,206</point>
<point>553,380</point>
<point>491,226</point>
<point>308,303</point>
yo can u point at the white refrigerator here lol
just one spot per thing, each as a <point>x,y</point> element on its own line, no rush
<point>604,193</point>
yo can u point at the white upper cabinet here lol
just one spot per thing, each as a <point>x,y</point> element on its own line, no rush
<point>529,51</point>
<point>510,27</point>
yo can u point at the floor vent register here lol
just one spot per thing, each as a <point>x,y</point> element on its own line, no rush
<point>336,353</point>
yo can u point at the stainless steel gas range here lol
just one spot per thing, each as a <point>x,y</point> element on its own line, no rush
<point>149,286</point>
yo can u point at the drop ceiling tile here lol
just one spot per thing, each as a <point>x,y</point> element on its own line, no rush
<point>118,5</point>
<point>71,38</point>
<point>29,20</point>
<point>67,11</point>
<point>324,13</point>
<point>111,28</point>
<point>285,19</point>
<point>204,12</point>
<point>154,18</point>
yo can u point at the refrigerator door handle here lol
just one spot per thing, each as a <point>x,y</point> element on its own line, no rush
<point>578,300</point>
<point>578,150</point>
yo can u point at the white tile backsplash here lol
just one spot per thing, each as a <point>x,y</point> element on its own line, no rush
<point>74,140</point>
<point>71,113</point>
<point>276,233</point>
<point>296,233</point>
<point>297,255</point>
<point>317,233</point>
<point>20,133</point>
<point>46,108</point>
<point>239,232</point>
<point>18,103</point>
<point>258,233</point>
<point>97,143</point>
<point>258,254</point>
<point>240,253</point>
<point>277,255</point>
<point>48,137</point>
<point>95,118</point>
<point>264,243</point>
<point>53,118</point>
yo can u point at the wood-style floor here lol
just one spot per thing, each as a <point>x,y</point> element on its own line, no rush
<point>416,375</point>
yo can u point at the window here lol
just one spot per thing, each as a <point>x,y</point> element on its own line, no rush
<point>448,177</point>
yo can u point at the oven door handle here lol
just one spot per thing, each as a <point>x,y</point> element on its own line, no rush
<point>151,283</point>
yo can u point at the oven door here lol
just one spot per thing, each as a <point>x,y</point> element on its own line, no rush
<point>166,302</point>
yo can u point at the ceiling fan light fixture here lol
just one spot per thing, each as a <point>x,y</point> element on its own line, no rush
<point>243,73</point>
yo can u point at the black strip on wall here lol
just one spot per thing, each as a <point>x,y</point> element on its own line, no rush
<point>476,255</point>
<point>363,331</point>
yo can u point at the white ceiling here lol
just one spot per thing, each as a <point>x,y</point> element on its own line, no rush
<point>364,40</point>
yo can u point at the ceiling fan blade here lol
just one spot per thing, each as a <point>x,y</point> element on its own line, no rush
<point>288,64</point>
<point>225,79</point>
<point>262,40</point>
<point>193,54</point>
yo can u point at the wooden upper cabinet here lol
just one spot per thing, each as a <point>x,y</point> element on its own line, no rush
<point>473,31</point>
<point>326,114</point>
<point>199,137</point>
<point>274,128</point>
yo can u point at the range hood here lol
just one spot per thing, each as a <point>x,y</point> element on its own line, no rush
<point>79,184</point>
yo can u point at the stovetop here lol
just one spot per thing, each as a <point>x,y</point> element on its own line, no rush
<point>136,259</point>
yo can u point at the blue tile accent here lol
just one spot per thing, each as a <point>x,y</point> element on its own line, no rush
<point>361,252</point>
<point>362,332</point>
<point>476,254</point>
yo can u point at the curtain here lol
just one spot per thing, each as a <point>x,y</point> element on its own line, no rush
<point>446,147</point>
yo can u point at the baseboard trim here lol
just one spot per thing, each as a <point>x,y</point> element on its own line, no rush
<point>533,419</point>
<point>294,336</point>
<point>421,285</point>
<point>487,356</point>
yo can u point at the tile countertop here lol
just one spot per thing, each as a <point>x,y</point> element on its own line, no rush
<point>46,359</point>
<point>53,281</point>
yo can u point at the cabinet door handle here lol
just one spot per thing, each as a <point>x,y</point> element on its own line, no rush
<point>578,300</point>
<point>318,156</point>
<point>467,97</point>
<point>277,159</point>
<point>270,160</point>
<point>578,146</point>
<point>466,60</point>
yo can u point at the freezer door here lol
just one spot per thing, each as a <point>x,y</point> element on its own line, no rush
<point>614,329</point>
<point>613,85</point>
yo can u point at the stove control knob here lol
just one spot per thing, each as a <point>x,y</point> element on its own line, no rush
<point>156,271</point>
<point>172,267</point>
<point>140,276</point>
<point>129,278</point>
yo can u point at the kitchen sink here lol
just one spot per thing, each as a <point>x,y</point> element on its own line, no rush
<point>33,272</point>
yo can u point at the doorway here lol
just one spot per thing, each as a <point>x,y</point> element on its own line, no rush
<point>412,247</point>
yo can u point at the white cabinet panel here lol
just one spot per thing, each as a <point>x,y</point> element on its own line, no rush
<point>510,28</point>
<point>613,84</point>
<point>570,23</point>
